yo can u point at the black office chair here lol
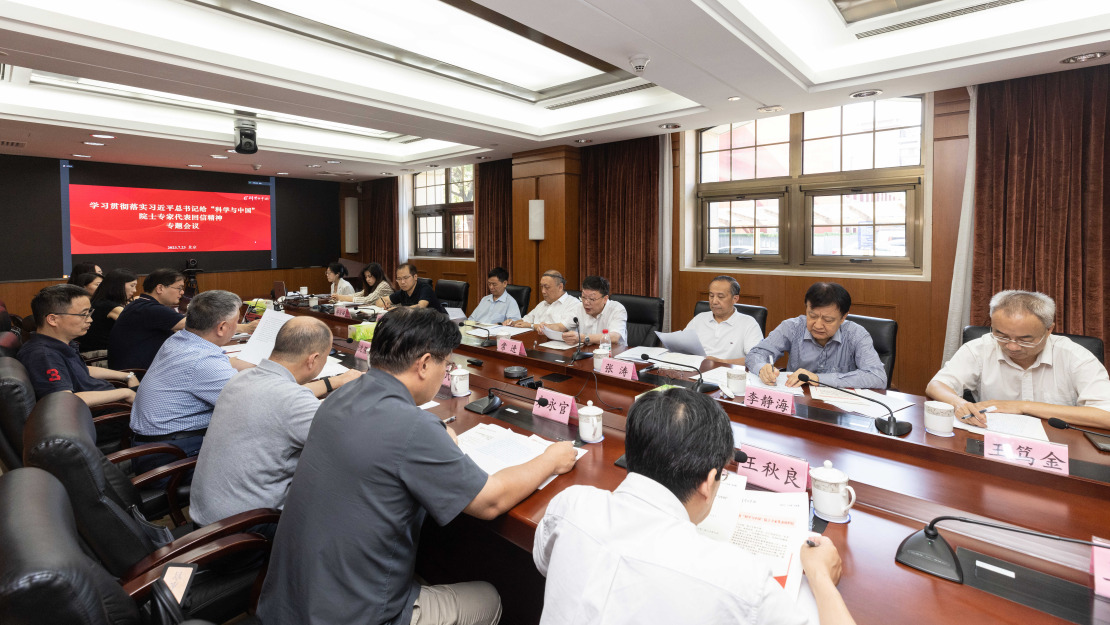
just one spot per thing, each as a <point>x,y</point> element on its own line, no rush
<point>575,294</point>
<point>758,313</point>
<point>46,576</point>
<point>453,293</point>
<point>522,295</point>
<point>17,399</point>
<point>645,318</point>
<point>1091,343</point>
<point>427,281</point>
<point>884,334</point>
<point>10,343</point>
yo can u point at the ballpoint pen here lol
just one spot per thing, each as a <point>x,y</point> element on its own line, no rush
<point>449,420</point>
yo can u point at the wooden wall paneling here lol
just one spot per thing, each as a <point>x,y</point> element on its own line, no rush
<point>559,249</point>
<point>525,252</point>
<point>454,269</point>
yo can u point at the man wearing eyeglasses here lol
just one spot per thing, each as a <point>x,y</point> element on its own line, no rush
<point>147,322</point>
<point>63,313</point>
<point>594,314</point>
<point>1020,367</point>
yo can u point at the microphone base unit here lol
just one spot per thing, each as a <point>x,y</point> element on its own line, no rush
<point>930,554</point>
<point>582,356</point>
<point>485,405</point>
<point>488,343</point>
<point>706,387</point>
<point>897,428</point>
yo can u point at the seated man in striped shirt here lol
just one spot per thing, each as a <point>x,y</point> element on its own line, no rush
<point>178,394</point>
<point>822,344</point>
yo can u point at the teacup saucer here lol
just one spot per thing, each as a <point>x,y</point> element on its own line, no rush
<point>833,519</point>
<point>941,434</point>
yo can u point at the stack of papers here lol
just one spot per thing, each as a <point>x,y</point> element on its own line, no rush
<point>848,403</point>
<point>493,448</point>
<point>261,343</point>
<point>332,367</point>
<point>633,354</point>
<point>1012,424</point>
<point>779,385</point>
<point>494,331</point>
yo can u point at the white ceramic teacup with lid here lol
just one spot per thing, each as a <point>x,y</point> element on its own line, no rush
<point>832,496</point>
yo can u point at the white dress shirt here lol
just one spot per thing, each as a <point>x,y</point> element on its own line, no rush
<point>613,317</point>
<point>342,287</point>
<point>490,310</point>
<point>633,556</point>
<point>729,339</point>
<point>1064,374</point>
<point>553,312</point>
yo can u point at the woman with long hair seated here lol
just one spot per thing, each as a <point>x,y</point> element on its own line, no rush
<point>375,286</point>
<point>335,273</point>
<point>88,281</point>
<point>115,291</point>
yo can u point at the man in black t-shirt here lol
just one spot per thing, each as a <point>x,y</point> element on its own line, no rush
<point>411,292</point>
<point>373,467</point>
<point>147,322</point>
<point>63,313</point>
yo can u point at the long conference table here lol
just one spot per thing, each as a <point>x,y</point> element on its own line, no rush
<point>901,484</point>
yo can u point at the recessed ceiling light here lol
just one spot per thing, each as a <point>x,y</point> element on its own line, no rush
<point>333,162</point>
<point>82,156</point>
<point>406,170</point>
<point>774,108</point>
<point>351,179</point>
<point>283,173</point>
<point>1082,58</point>
<point>197,166</point>
<point>866,93</point>
<point>91,143</point>
<point>734,98</point>
<point>387,173</point>
<point>102,136</point>
<point>583,140</point>
<point>313,166</point>
<point>670,126</point>
<point>432,166</point>
<point>481,158</point>
<point>219,156</point>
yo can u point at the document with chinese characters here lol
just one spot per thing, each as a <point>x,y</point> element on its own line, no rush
<point>1012,424</point>
<point>493,448</point>
<point>771,526</point>
<point>261,343</point>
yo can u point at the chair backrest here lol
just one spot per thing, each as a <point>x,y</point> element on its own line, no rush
<point>645,318</point>
<point>522,295</point>
<point>758,313</point>
<point>5,320</point>
<point>60,439</point>
<point>17,398</point>
<point>884,333</point>
<point>45,577</point>
<point>1093,344</point>
<point>10,343</point>
<point>453,293</point>
<point>575,294</point>
<point>427,281</point>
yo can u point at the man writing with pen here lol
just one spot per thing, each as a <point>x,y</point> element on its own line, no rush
<point>1020,367</point>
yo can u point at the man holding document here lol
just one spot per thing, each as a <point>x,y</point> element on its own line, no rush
<point>1020,367</point>
<point>374,465</point>
<point>725,334</point>
<point>634,555</point>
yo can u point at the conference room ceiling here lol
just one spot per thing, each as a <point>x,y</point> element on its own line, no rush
<point>388,87</point>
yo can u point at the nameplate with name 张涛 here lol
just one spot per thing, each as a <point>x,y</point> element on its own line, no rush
<point>769,399</point>
<point>1026,452</point>
<point>619,368</point>
<point>510,346</point>
<point>774,471</point>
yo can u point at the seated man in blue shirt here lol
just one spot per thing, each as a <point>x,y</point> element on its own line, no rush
<point>498,306</point>
<point>178,394</point>
<point>63,313</point>
<point>822,344</point>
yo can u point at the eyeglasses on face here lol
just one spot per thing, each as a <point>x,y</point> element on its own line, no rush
<point>1002,340</point>
<point>85,314</point>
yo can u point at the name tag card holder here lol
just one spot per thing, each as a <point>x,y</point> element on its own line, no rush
<point>770,400</point>
<point>363,351</point>
<point>1026,452</point>
<point>511,346</point>
<point>559,407</point>
<point>774,471</point>
<point>618,369</point>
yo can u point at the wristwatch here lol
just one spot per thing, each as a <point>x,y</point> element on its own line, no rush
<point>587,341</point>
<point>327,383</point>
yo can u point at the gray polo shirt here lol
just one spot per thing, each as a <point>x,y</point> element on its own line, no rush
<point>373,467</point>
<point>253,444</point>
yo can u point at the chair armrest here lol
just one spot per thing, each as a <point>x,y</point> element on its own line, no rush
<point>138,585</point>
<point>176,471</point>
<point>229,527</point>
<point>145,449</point>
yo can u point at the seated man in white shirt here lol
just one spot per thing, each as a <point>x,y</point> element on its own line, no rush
<point>725,335</point>
<point>634,556</point>
<point>498,306</point>
<point>594,314</point>
<point>1021,368</point>
<point>556,302</point>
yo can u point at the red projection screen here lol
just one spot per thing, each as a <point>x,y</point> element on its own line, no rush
<point>129,220</point>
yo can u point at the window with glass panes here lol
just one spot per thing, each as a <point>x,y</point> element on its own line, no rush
<point>443,211</point>
<point>836,188</point>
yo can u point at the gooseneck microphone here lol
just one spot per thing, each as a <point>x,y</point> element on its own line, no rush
<point>890,427</point>
<point>491,402</point>
<point>486,342</point>
<point>926,550</point>
<point>700,387</point>
<point>1060,424</point>
<point>578,353</point>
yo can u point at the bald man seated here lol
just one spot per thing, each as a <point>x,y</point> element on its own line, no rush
<point>1020,367</point>
<point>260,425</point>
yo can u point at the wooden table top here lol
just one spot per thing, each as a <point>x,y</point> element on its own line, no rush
<point>901,484</point>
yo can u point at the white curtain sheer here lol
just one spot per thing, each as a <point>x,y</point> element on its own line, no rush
<point>666,221</point>
<point>959,303</point>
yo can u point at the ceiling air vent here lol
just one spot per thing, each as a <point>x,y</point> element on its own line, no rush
<point>601,96</point>
<point>12,144</point>
<point>935,18</point>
